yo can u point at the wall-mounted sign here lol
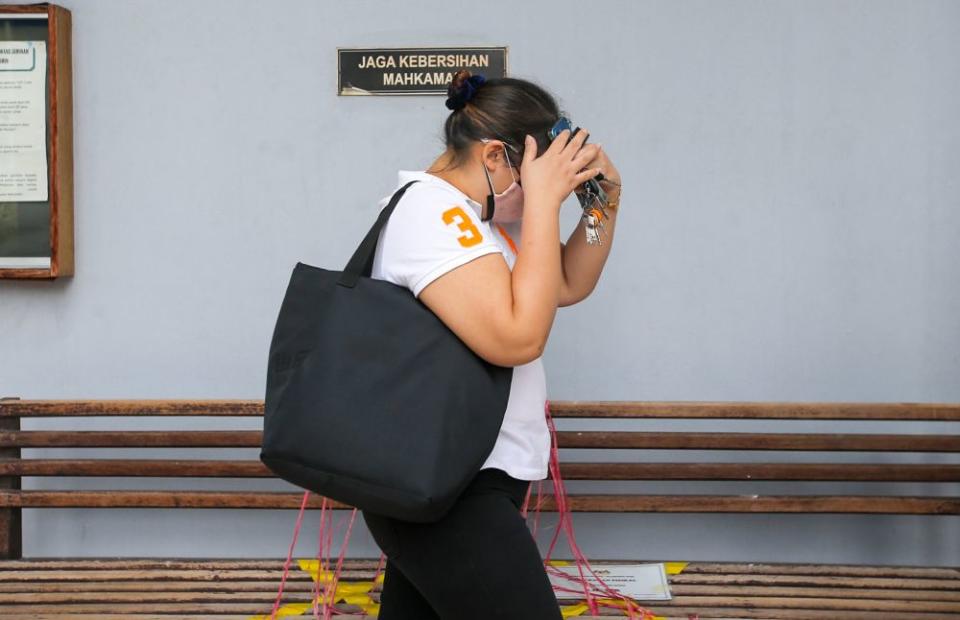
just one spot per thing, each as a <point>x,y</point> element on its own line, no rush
<point>413,70</point>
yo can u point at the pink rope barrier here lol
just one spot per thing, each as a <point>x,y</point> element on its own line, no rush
<point>323,603</point>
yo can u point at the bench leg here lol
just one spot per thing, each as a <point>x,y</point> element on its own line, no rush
<point>11,534</point>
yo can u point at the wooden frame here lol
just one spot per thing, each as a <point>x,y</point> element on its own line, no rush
<point>59,142</point>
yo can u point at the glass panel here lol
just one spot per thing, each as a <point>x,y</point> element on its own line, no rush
<point>24,157</point>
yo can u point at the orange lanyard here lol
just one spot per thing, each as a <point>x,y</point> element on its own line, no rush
<point>513,246</point>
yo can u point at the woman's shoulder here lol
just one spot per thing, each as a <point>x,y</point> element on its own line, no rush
<point>434,204</point>
<point>431,192</point>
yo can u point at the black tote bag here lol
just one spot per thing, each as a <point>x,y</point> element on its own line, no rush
<point>371,399</point>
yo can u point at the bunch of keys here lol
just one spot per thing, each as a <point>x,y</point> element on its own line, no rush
<point>594,213</point>
<point>591,196</point>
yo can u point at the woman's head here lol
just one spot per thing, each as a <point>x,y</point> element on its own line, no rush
<point>504,109</point>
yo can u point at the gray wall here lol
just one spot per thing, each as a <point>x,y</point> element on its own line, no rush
<point>788,231</point>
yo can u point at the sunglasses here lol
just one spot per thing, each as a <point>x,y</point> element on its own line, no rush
<point>562,123</point>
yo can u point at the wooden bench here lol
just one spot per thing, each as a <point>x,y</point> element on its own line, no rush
<point>145,588</point>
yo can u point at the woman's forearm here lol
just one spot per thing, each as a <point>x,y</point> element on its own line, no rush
<point>537,274</point>
<point>583,263</point>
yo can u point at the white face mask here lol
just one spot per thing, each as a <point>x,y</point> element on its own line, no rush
<point>507,206</point>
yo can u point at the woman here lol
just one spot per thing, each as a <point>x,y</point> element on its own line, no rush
<point>497,285</point>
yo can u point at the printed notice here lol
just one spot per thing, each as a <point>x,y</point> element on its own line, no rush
<point>641,582</point>
<point>23,129</point>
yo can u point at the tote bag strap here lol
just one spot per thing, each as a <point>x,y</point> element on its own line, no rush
<point>361,263</point>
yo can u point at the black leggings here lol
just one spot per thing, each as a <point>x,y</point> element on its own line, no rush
<point>479,561</point>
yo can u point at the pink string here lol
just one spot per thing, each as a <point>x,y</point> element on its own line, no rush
<point>320,565</point>
<point>326,605</point>
<point>526,503</point>
<point>565,524</point>
<point>376,575</point>
<point>286,565</point>
<point>329,594</point>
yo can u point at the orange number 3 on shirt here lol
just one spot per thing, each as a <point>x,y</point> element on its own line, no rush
<point>473,236</point>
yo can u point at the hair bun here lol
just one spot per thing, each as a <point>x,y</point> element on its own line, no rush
<point>462,88</point>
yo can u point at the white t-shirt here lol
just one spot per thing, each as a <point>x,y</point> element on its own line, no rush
<point>433,229</point>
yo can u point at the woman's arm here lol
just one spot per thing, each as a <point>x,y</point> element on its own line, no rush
<point>582,263</point>
<point>505,317</point>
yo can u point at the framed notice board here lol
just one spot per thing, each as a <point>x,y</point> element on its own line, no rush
<point>36,142</point>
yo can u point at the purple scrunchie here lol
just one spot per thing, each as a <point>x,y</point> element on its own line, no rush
<point>466,92</point>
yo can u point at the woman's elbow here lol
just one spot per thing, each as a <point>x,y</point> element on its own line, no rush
<point>516,353</point>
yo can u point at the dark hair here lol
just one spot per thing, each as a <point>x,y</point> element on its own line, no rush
<point>499,108</point>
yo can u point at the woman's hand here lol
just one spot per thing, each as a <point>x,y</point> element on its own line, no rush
<point>610,172</point>
<point>556,173</point>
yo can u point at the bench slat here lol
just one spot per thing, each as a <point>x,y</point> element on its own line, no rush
<point>840,472</point>
<point>133,575</point>
<point>849,472</point>
<point>87,591</point>
<point>756,410</point>
<point>709,606</point>
<point>666,614</point>
<point>559,409</point>
<point>59,408</point>
<point>565,439</point>
<point>757,441</point>
<point>166,580</point>
<point>693,570</point>
<point>152,616</point>
<point>849,592</point>
<point>813,504</point>
<point>816,603</point>
<point>132,439</point>
<point>270,583</point>
<point>758,597</point>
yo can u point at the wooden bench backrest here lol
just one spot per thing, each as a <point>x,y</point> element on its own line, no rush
<point>595,418</point>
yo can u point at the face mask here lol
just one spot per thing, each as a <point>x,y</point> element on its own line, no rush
<point>506,206</point>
